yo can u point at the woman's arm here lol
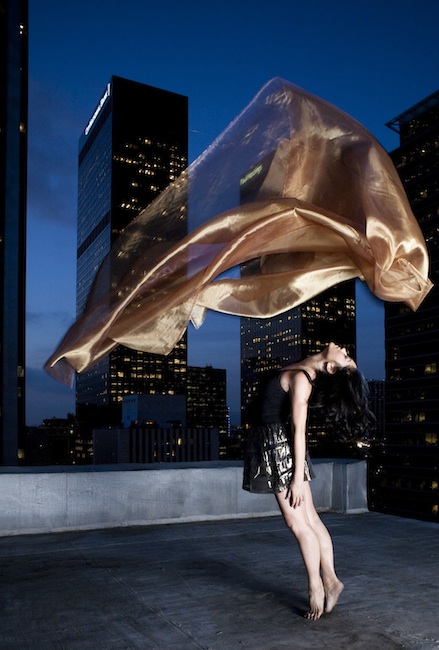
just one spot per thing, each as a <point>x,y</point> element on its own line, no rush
<point>299,390</point>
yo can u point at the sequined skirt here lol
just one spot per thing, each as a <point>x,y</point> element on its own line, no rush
<point>268,460</point>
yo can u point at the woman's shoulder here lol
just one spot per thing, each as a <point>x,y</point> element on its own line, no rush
<point>298,368</point>
<point>291,376</point>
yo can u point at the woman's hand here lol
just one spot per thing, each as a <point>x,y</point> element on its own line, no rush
<point>295,493</point>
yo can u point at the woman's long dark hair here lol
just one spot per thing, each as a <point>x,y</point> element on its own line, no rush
<point>343,401</point>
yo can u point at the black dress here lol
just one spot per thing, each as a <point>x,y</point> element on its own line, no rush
<point>269,457</point>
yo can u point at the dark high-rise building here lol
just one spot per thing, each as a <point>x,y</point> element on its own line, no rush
<point>405,477</point>
<point>134,146</point>
<point>377,392</point>
<point>55,442</point>
<point>207,399</point>
<point>13,173</point>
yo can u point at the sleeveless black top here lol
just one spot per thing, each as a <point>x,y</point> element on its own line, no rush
<point>275,404</point>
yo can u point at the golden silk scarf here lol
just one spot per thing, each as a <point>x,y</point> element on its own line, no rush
<point>295,189</point>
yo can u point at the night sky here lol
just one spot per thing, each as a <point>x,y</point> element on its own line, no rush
<point>373,60</point>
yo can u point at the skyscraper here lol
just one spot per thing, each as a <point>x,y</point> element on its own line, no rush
<point>207,398</point>
<point>405,476</point>
<point>13,173</point>
<point>135,145</point>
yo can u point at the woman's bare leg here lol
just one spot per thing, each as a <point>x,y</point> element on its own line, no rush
<point>333,586</point>
<point>309,544</point>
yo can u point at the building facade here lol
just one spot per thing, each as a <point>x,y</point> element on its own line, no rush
<point>55,442</point>
<point>405,472</point>
<point>377,392</point>
<point>133,147</point>
<point>207,399</point>
<point>153,444</point>
<point>154,410</point>
<point>13,175</point>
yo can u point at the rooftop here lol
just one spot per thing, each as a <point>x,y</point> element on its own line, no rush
<point>218,585</point>
<point>415,111</point>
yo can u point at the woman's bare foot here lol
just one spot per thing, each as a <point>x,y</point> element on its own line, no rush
<point>316,603</point>
<point>332,593</point>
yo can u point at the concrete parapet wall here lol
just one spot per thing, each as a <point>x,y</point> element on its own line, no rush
<point>43,500</point>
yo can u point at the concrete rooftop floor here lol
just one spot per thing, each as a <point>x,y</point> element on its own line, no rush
<point>231,584</point>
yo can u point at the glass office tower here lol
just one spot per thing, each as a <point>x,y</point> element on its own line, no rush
<point>133,147</point>
<point>405,474</point>
<point>13,174</point>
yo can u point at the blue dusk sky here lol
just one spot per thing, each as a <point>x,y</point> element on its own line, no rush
<point>372,59</point>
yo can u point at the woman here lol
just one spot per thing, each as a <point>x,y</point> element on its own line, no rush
<point>272,464</point>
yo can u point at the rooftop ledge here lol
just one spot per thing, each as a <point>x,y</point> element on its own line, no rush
<point>57,499</point>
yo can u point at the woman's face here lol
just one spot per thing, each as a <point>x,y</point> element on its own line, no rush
<point>339,356</point>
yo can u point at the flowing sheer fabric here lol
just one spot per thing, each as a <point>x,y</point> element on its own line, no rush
<point>294,187</point>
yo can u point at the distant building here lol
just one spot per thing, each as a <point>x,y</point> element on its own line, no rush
<point>377,392</point>
<point>157,410</point>
<point>13,175</point>
<point>153,444</point>
<point>133,147</point>
<point>405,477</point>
<point>56,442</point>
<point>207,398</point>
<point>207,407</point>
<point>169,428</point>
